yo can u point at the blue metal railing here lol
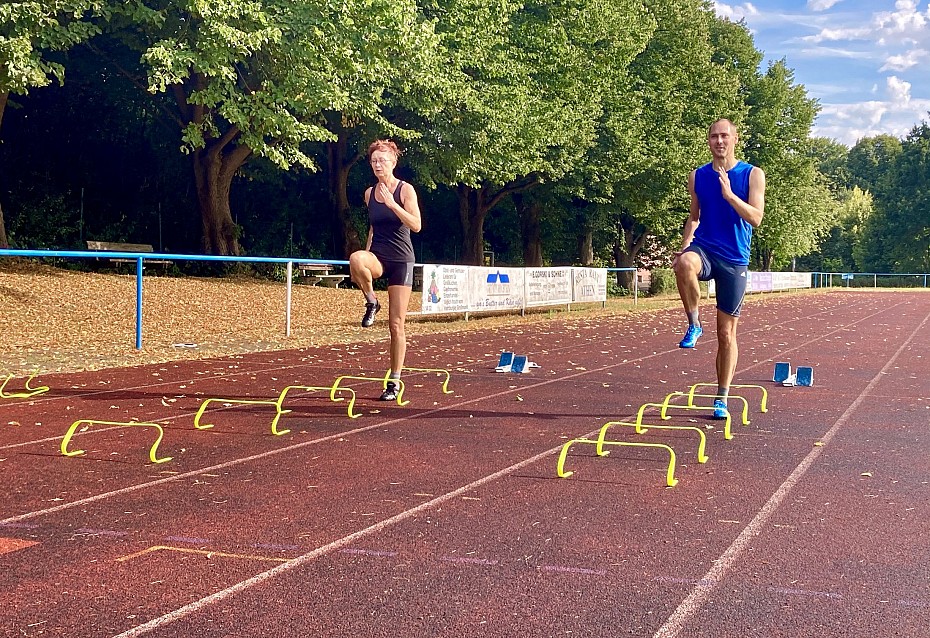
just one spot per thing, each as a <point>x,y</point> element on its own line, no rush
<point>140,261</point>
<point>825,279</point>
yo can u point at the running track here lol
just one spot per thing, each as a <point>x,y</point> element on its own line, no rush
<point>445,518</point>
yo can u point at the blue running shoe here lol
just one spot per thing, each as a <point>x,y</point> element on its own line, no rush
<point>720,409</point>
<point>691,337</point>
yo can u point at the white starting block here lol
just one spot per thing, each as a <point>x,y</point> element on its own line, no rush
<point>510,362</point>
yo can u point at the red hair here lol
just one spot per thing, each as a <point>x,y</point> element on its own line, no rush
<point>384,145</point>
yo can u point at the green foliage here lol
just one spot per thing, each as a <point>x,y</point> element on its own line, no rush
<point>58,228</point>
<point>905,204</point>
<point>600,106</point>
<point>30,30</point>
<point>663,281</point>
<point>799,206</point>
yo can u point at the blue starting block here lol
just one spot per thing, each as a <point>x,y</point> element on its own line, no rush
<point>505,363</point>
<point>782,372</point>
<point>805,376</point>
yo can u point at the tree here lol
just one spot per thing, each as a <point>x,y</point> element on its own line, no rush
<point>258,78</point>
<point>799,207</point>
<point>521,97</point>
<point>28,32</point>
<point>832,160</point>
<point>906,204</point>
<point>677,89</point>
<point>870,164</point>
<point>870,160</point>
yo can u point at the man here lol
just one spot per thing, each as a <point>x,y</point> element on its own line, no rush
<point>727,202</point>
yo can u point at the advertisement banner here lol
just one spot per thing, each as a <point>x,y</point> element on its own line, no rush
<point>491,289</point>
<point>589,284</point>
<point>548,286</point>
<point>770,281</point>
<point>445,289</point>
<point>760,282</point>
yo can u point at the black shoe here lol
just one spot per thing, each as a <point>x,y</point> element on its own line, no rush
<point>390,392</point>
<point>371,309</point>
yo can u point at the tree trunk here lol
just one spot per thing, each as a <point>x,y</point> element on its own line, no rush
<point>767,257</point>
<point>214,170</point>
<point>529,211</point>
<point>4,243</point>
<point>629,242</point>
<point>474,204</point>
<point>472,212</point>
<point>345,235</point>
<point>215,166</point>
<point>586,246</point>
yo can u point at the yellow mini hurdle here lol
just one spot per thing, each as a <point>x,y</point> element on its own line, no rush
<point>639,429</point>
<point>400,386</point>
<point>763,405</point>
<point>152,451</point>
<point>276,404</point>
<point>670,479</point>
<point>745,411</point>
<point>445,383</point>
<point>22,395</point>
<point>664,406</point>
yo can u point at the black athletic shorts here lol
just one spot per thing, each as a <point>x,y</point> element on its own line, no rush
<point>730,279</point>
<point>398,273</point>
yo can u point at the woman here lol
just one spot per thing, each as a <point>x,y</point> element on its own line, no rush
<point>393,211</point>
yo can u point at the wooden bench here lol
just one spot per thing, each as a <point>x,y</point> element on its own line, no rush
<point>111,246</point>
<point>320,274</point>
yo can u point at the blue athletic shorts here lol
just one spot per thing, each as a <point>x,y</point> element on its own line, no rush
<point>730,280</point>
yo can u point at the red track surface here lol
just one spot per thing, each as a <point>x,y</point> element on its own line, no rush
<point>445,517</point>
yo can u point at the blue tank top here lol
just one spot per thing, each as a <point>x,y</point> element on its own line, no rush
<point>390,238</point>
<point>722,232</point>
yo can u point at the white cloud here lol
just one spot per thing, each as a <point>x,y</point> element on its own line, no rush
<point>834,52</point>
<point>837,34</point>
<point>899,90</point>
<point>735,13</point>
<point>905,61</point>
<point>905,25</point>
<point>906,21</point>
<point>821,5</point>
<point>848,123</point>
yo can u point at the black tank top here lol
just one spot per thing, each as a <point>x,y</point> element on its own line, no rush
<point>390,238</point>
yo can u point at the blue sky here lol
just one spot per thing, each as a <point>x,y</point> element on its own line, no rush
<point>867,62</point>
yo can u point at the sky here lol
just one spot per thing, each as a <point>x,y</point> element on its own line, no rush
<point>867,62</point>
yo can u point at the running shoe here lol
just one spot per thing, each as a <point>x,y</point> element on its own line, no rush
<point>691,337</point>
<point>720,409</point>
<point>390,392</point>
<point>371,309</point>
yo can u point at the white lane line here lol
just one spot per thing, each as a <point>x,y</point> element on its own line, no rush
<point>705,584</point>
<point>300,561</point>
<point>551,351</point>
<point>297,446</point>
<point>246,459</point>
<point>275,367</point>
<point>691,605</point>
